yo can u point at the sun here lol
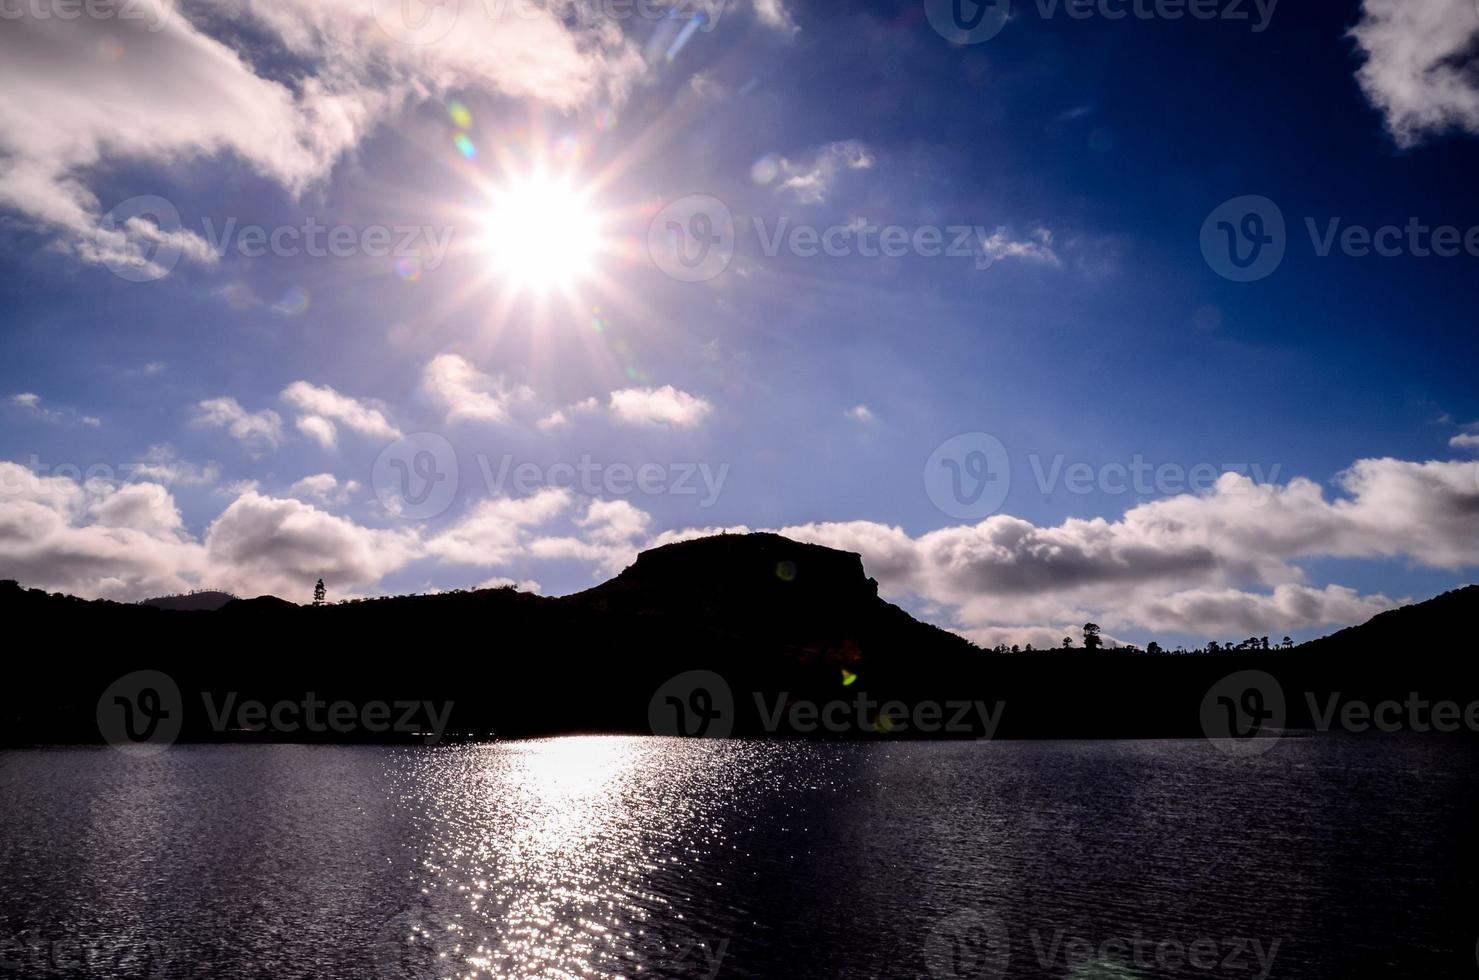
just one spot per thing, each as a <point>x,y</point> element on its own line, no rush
<point>542,233</point>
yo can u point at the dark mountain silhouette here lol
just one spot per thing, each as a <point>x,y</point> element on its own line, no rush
<point>203,601</point>
<point>780,621</point>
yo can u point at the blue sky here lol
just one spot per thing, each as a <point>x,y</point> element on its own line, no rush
<point>177,415</point>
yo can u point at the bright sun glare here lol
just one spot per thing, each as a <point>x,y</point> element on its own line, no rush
<point>542,234</point>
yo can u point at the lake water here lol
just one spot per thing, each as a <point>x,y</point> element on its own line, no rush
<point>1332,856</point>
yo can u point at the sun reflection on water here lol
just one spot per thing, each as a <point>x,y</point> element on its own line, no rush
<point>570,857</point>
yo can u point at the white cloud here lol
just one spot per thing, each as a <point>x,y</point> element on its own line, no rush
<point>612,529</point>
<point>1420,66</point>
<point>810,181</point>
<point>614,521</point>
<point>319,429</point>
<point>265,545</point>
<point>1177,563</point>
<point>94,540</point>
<point>657,406</point>
<point>167,85</point>
<point>466,393</point>
<point>562,416</point>
<point>775,15</point>
<point>163,465</point>
<point>501,582</point>
<point>324,487</point>
<point>1036,247</point>
<point>30,403</point>
<point>494,531</point>
<point>1222,565</point>
<point>1465,440</point>
<point>323,409</point>
<point>254,430</point>
<point>861,413</point>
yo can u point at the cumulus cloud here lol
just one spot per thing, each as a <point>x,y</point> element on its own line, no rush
<point>810,181</point>
<point>265,545</point>
<point>1420,68</point>
<point>97,539</point>
<point>254,430</point>
<point>1225,564</point>
<point>466,393</point>
<point>494,532</point>
<point>324,409</point>
<point>861,413</point>
<point>324,487</point>
<point>1177,563</point>
<point>166,84</point>
<point>612,531</point>
<point>659,406</point>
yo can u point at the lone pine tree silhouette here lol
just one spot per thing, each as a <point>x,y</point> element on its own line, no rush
<point>774,617</point>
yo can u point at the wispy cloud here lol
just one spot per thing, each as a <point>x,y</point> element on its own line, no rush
<point>810,181</point>
<point>31,403</point>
